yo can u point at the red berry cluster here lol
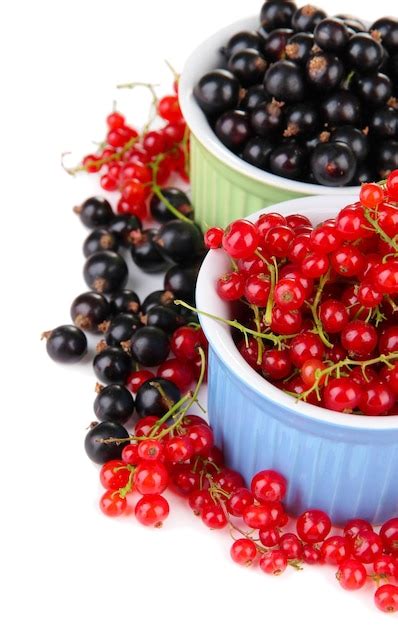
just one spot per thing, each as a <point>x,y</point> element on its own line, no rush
<point>319,316</point>
<point>137,164</point>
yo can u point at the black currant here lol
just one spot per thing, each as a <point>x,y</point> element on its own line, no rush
<point>275,44</point>
<point>151,401</point>
<point>289,160</point>
<point>299,47</point>
<point>341,108</point>
<point>66,344</point>
<point>333,164</point>
<point>324,71</point>
<point>248,66</point>
<point>331,34</point>
<point>301,120</point>
<point>100,452</point>
<point>384,123</point>
<point>89,310</point>
<point>311,143</point>
<point>95,212</point>
<point>217,91</point>
<point>124,226</point>
<point>364,173</point>
<point>233,129</point>
<point>241,41</point>
<point>285,81</point>
<point>157,297</point>
<point>254,96</point>
<point>124,301</point>
<point>364,53</point>
<point>387,29</point>
<point>122,328</point>
<point>146,253</point>
<point>267,119</point>
<point>387,158</point>
<point>105,271</point>
<point>306,18</point>
<point>277,14</point>
<point>100,239</point>
<point>114,403</point>
<point>167,318</point>
<point>150,346</point>
<point>257,151</point>
<point>373,89</point>
<point>174,196</point>
<point>352,22</point>
<point>112,365</point>
<point>181,281</point>
<point>179,242</point>
<point>354,138</point>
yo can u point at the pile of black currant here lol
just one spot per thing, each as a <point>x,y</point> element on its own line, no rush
<point>136,335</point>
<point>308,97</point>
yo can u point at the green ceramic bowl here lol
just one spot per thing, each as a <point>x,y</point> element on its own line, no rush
<point>224,187</point>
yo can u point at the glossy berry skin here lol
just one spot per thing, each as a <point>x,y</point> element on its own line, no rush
<point>275,43</point>
<point>341,394</point>
<point>257,289</point>
<point>167,318</point>
<point>387,567</point>
<point>291,545</point>
<point>123,225</point>
<point>374,89</point>
<point>305,346</point>
<point>179,242</point>
<point>289,160</point>
<point>389,536</point>
<point>105,272</point>
<point>385,277</point>
<point>152,510</point>
<point>124,301</point>
<point>286,322</point>
<point>269,537</point>
<point>351,575</point>
<point>392,185</point>
<point>354,526</point>
<point>243,552</point>
<point>112,365</point>
<point>179,449</point>
<point>253,98</point>
<point>201,438</point>
<point>314,265</point>
<point>335,550</point>
<point>353,138</point>
<point>198,499</point>
<point>230,286</point>
<point>180,281</point>
<point>299,47</point>
<point>377,398</point>
<point>185,342</point>
<point>288,294</point>
<point>273,562</point>
<point>333,164</point>
<point>150,478</point>
<point>333,315</point>
<point>213,516</point>
<point>241,41</point>
<point>248,66</point>
<point>367,546</point>
<point>138,378</point>
<point>89,310</point>
<point>364,52</point>
<point>114,403</point>
<point>149,346</point>
<point>146,254</point>
<point>149,400</point>
<point>276,14</point>
<point>99,452</point>
<point>277,241</point>
<point>233,129</point>
<point>324,72</point>
<point>121,329</point>
<point>276,364</point>
<point>306,18</point>
<point>284,80</point>
<point>348,261</point>
<point>331,34</point>
<point>98,240</point>
<point>257,151</point>
<point>359,338</point>
<point>112,504</point>
<point>261,516</point>
<point>386,598</point>
<point>312,555</point>
<point>213,238</point>
<point>130,454</point>
<point>266,119</point>
<point>268,486</point>
<point>159,210</point>
<point>217,91</point>
<point>341,108</point>
<point>95,212</point>
<point>66,344</point>
<point>313,526</point>
<point>114,475</point>
<point>240,499</point>
<point>151,450</point>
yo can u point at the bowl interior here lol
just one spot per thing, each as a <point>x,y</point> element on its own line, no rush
<point>215,264</point>
<point>207,57</point>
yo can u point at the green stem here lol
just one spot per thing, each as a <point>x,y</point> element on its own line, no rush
<point>383,235</point>
<point>113,157</point>
<point>314,309</point>
<point>158,192</point>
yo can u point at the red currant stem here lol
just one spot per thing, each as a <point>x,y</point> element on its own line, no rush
<point>314,309</point>
<point>383,358</point>
<point>158,192</point>
<point>176,75</point>
<point>98,164</point>
<point>383,235</point>
<point>391,303</point>
<point>277,340</point>
<point>378,578</point>
<point>123,491</point>
<point>296,563</point>
<point>273,271</point>
<point>165,397</point>
<point>172,411</point>
<point>258,326</point>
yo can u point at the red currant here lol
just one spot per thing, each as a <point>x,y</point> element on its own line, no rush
<point>289,294</point>
<point>273,562</point>
<point>341,394</point>
<point>112,504</point>
<point>333,316</point>
<point>213,516</point>
<point>114,475</point>
<point>389,535</point>
<point>243,551</point>
<point>351,574</point>
<point>152,510</point>
<point>359,338</point>
<point>392,185</point>
<point>150,478</point>
<point>371,195</point>
<point>276,364</point>
<point>240,239</point>
<point>169,109</point>
<point>367,546</point>
<point>257,289</point>
<point>178,372</point>
<point>151,450</point>
<point>335,550</point>
<point>386,598</point>
<point>313,526</point>
<point>291,545</point>
<point>239,500</point>
<point>213,238</point>
<point>268,486</point>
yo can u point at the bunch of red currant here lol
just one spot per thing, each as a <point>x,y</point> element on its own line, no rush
<point>319,311</point>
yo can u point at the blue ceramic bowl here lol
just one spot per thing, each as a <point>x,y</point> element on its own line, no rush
<point>344,464</point>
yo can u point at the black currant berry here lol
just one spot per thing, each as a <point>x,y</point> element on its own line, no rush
<point>95,212</point>
<point>114,403</point>
<point>324,71</point>
<point>125,226</point>
<point>364,53</point>
<point>341,108</point>
<point>124,301</point>
<point>150,346</point>
<point>267,119</point>
<point>151,401</point>
<point>352,22</point>
<point>373,89</point>
<point>157,297</point>
<point>277,14</point>
<point>364,173</point>
<point>248,66</point>
<point>254,96</point>
<point>387,158</point>
<point>306,18</point>
<point>66,344</point>
<point>100,452</point>
<point>289,160</point>
<point>257,151</point>
<point>217,91</point>
<point>333,164</point>
<point>241,41</point>
<point>299,47</point>
<point>331,34</point>
<point>100,239</point>
<point>105,272</point>
<point>180,201</point>
<point>233,129</point>
<point>301,120</point>
<point>146,253</point>
<point>285,81</point>
<point>89,310</point>
<point>122,328</point>
<point>387,29</point>
<point>112,365</point>
<point>275,44</point>
<point>167,318</point>
<point>179,242</point>
<point>354,138</point>
<point>311,143</point>
<point>181,281</point>
<point>384,123</point>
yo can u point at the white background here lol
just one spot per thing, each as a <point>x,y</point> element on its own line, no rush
<point>63,562</point>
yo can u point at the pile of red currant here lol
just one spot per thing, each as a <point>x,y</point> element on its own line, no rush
<point>318,304</point>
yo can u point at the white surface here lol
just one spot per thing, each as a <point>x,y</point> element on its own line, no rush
<point>216,264</point>
<point>62,561</point>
